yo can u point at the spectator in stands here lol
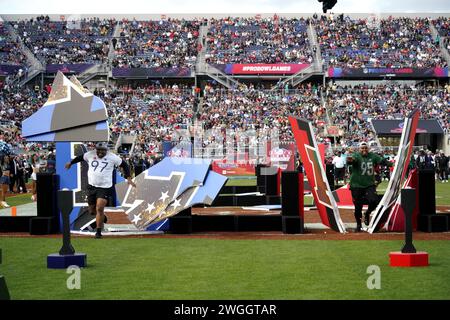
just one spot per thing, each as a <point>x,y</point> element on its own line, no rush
<point>394,43</point>
<point>167,43</point>
<point>251,40</point>
<point>64,42</point>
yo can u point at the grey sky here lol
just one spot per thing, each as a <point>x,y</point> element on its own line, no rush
<point>216,6</point>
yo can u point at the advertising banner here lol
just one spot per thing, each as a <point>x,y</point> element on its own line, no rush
<point>151,72</point>
<point>74,68</point>
<point>262,68</point>
<point>388,72</point>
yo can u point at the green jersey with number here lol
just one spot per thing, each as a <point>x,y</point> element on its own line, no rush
<point>363,170</point>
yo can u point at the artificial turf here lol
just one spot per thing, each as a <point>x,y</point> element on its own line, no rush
<point>20,199</point>
<point>182,268</point>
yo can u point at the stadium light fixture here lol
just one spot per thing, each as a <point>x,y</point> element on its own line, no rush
<point>327,4</point>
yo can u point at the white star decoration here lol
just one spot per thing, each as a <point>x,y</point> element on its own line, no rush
<point>137,218</point>
<point>176,204</point>
<point>150,207</point>
<point>164,195</point>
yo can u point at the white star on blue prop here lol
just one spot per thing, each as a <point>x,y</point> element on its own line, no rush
<point>137,218</point>
<point>176,204</point>
<point>164,195</point>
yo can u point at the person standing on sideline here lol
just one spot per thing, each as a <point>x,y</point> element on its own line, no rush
<point>21,173</point>
<point>442,164</point>
<point>36,165</point>
<point>4,180</point>
<point>12,173</point>
<point>339,168</point>
<point>101,164</point>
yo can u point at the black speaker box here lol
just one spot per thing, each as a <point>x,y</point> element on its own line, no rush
<point>259,177</point>
<point>257,223</point>
<point>273,200</point>
<point>292,225</point>
<point>46,187</point>
<point>427,192</point>
<point>271,184</point>
<point>433,223</point>
<point>291,199</point>
<point>180,224</point>
<point>42,225</point>
<point>15,224</point>
<point>201,223</point>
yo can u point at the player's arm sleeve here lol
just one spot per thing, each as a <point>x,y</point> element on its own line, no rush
<point>77,159</point>
<point>126,169</point>
<point>355,159</point>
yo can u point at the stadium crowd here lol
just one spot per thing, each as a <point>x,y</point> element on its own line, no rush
<point>155,111</point>
<point>251,40</point>
<point>152,113</point>
<point>392,42</point>
<point>9,49</point>
<point>165,43</point>
<point>442,25</point>
<point>352,107</point>
<point>63,42</point>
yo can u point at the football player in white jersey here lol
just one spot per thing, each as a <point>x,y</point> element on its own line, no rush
<point>101,164</point>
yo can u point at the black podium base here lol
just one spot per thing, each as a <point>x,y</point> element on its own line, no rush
<point>292,225</point>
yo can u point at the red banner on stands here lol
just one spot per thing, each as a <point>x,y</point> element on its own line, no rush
<point>283,156</point>
<point>233,168</point>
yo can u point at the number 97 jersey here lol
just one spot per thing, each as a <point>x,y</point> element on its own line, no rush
<point>100,173</point>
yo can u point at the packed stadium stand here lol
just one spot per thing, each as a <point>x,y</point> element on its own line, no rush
<point>157,44</point>
<point>59,42</point>
<point>392,42</point>
<point>248,40</point>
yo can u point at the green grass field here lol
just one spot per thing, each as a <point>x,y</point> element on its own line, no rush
<point>19,199</point>
<point>223,269</point>
<point>187,268</point>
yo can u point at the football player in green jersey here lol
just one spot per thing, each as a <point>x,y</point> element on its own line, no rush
<point>362,182</point>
